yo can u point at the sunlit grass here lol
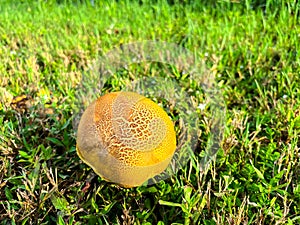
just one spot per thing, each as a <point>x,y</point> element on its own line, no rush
<point>254,51</point>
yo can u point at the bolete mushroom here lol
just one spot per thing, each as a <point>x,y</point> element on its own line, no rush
<point>126,138</point>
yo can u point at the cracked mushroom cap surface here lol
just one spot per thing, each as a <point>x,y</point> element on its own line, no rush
<point>126,138</point>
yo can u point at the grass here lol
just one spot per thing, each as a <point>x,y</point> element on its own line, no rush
<point>254,50</point>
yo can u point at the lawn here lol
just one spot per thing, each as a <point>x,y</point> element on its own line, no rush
<point>252,49</point>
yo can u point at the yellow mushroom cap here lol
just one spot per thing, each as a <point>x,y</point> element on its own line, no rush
<point>126,138</point>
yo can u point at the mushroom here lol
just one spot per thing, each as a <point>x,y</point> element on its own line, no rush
<point>126,138</point>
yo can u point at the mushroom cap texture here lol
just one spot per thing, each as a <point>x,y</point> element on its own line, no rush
<point>126,138</point>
